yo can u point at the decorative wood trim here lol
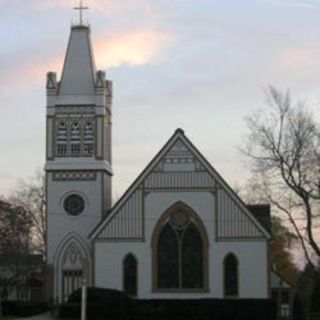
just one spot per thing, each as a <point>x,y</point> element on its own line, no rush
<point>99,119</point>
<point>109,138</point>
<point>102,195</point>
<point>75,175</point>
<point>93,269</point>
<point>103,146</point>
<point>143,212</point>
<point>216,215</point>
<point>181,189</point>
<point>103,239</point>
<point>74,109</point>
<point>50,136</point>
<point>242,239</point>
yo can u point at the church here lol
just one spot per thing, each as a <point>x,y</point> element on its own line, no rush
<point>179,231</point>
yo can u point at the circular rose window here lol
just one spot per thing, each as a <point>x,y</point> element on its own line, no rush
<point>73,204</point>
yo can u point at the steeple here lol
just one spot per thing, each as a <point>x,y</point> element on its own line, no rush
<point>78,74</point>
<point>78,159</point>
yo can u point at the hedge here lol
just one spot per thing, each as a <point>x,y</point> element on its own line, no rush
<point>23,308</point>
<point>205,309</point>
<point>114,305</point>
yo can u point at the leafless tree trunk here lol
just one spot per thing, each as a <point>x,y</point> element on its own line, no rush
<point>283,145</point>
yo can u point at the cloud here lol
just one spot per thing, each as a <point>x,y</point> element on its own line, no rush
<point>307,4</point>
<point>134,47</point>
<point>29,72</point>
<point>297,59</point>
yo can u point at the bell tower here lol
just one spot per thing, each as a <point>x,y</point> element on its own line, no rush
<point>78,161</point>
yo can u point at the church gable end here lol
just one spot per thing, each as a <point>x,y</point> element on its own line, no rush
<point>178,166</point>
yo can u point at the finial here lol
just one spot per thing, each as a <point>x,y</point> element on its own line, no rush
<point>179,130</point>
<point>80,8</point>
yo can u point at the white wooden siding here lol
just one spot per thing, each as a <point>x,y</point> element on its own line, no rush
<point>127,223</point>
<point>195,179</point>
<point>233,222</point>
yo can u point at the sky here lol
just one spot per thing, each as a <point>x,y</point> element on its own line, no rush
<point>198,65</point>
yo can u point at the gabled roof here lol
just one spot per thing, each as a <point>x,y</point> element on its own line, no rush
<point>78,74</point>
<point>178,135</point>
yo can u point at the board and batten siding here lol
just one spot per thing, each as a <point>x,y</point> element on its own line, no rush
<point>195,179</point>
<point>127,223</point>
<point>232,221</point>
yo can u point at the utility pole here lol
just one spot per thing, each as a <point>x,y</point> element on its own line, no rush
<point>84,291</point>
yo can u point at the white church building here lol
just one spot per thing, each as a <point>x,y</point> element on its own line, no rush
<point>179,231</point>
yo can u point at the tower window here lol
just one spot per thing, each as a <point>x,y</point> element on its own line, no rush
<point>75,136</point>
<point>62,150</point>
<point>88,126</point>
<point>88,149</point>
<point>75,149</point>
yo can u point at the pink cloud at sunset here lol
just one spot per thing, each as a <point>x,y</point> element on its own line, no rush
<point>29,73</point>
<point>297,59</point>
<point>136,47</point>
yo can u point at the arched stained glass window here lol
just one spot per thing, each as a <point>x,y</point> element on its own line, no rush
<point>168,258</point>
<point>192,258</point>
<point>130,269</point>
<point>180,251</point>
<point>231,281</point>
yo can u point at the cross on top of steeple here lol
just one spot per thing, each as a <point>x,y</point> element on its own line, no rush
<point>81,8</point>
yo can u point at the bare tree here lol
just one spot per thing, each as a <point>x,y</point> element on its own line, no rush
<point>31,196</point>
<point>283,145</point>
<point>15,227</point>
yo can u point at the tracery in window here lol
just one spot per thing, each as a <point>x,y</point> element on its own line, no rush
<point>88,137</point>
<point>180,251</point>
<point>62,139</point>
<point>130,269</point>
<point>74,136</point>
<point>72,265</point>
<point>230,266</point>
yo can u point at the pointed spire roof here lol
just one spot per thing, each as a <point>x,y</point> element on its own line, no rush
<point>78,74</point>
